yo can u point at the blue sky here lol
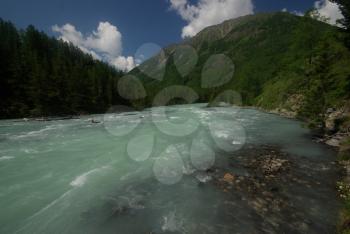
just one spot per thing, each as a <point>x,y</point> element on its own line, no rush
<point>138,21</point>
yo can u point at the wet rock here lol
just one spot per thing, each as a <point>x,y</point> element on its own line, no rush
<point>268,165</point>
<point>229,178</point>
<point>335,142</point>
<point>265,187</point>
<point>331,120</point>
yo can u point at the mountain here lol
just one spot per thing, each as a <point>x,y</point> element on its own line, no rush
<point>281,62</point>
<point>42,76</point>
<point>276,61</point>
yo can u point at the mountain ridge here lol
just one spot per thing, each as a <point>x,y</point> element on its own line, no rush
<point>282,61</point>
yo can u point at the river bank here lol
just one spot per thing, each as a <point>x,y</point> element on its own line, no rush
<point>335,133</point>
<point>280,190</point>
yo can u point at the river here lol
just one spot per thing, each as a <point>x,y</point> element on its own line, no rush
<point>148,172</point>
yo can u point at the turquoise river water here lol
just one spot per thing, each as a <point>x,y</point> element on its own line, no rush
<point>143,172</point>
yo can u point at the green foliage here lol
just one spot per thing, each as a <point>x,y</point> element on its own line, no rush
<point>276,56</point>
<point>41,76</point>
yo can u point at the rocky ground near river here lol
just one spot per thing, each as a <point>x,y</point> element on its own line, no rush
<point>282,193</point>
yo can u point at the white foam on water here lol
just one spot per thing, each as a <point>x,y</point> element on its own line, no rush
<point>80,180</point>
<point>222,134</point>
<point>203,177</point>
<point>38,133</point>
<point>171,222</point>
<point>188,169</point>
<point>6,158</point>
<point>30,151</point>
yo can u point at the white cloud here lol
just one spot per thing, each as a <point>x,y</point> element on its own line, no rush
<point>329,10</point>
<point>127,63</point>
<point>209,12</point>
<point>298,13</point>
<point>103,44</point>
<point>68,33</point>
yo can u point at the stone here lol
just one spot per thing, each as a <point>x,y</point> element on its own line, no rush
<point>229,178</point>
<point>330,122</point>
<point>333,142</point>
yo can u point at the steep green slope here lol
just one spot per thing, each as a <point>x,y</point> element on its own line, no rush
<point>281,61</point>
<point>41,76</point>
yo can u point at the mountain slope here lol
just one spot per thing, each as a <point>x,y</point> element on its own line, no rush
<point>281,61</point>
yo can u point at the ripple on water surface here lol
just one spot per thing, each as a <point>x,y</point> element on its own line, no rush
<point>74,176</point>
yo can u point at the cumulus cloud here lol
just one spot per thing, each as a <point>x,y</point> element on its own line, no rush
<point>209,12</point>
<point>104,44</point>
<point>127,63</point>
<point>328,10</point>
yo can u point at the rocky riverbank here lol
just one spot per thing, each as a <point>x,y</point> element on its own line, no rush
<point>281,190</point>
<point>336,126</point>
<point>335,133</point>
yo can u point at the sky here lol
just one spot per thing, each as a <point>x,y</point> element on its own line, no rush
<point>125,32</point>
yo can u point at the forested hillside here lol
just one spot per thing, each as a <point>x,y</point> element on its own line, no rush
<point>41,76</point>
<point>282,61</point>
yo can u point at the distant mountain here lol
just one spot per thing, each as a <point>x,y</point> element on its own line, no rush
<point>281,61</point>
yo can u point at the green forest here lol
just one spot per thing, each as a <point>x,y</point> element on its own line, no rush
<point>43,76</point>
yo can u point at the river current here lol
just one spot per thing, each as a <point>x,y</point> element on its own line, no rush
<point>145,172</point>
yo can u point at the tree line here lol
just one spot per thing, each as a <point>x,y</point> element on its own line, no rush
<point>43,76</point>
